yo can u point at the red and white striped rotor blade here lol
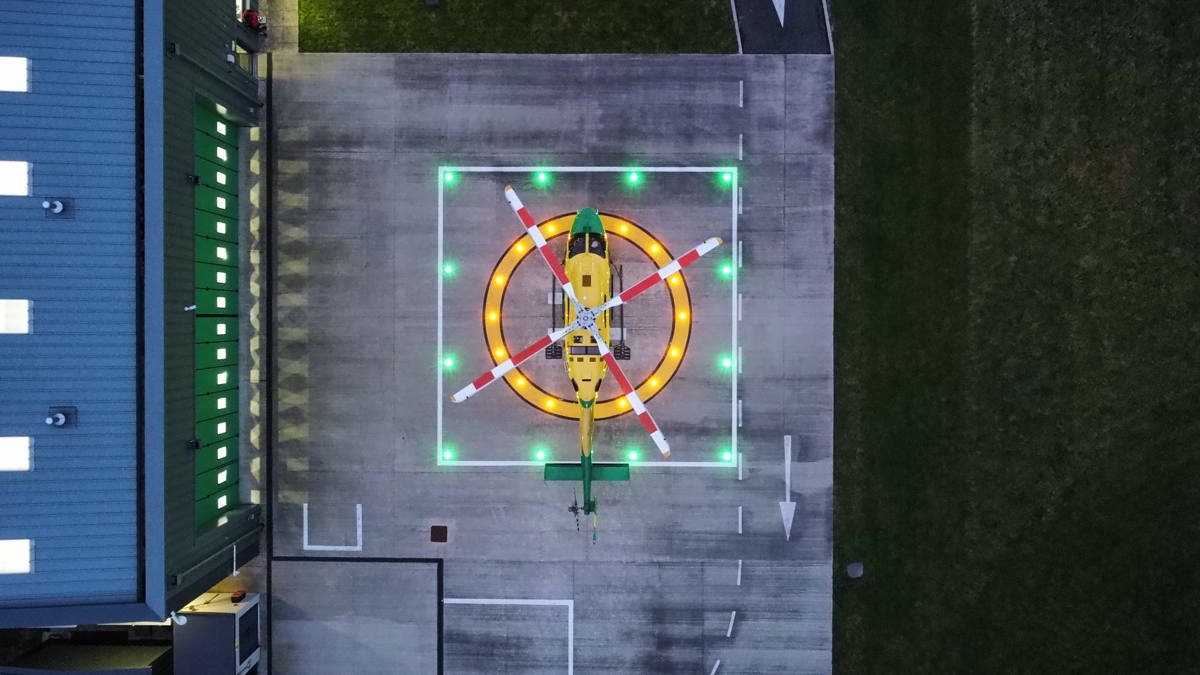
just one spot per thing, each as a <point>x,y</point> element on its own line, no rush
<point>538,240</point>
<point>510,363</point>
<point>631,395</point>
<point>662,274</point>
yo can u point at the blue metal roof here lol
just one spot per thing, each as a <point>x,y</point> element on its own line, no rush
<point>77,127</point>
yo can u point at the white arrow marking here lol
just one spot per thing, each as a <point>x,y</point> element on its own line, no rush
<point>787,508</point>
<point>779,5</point>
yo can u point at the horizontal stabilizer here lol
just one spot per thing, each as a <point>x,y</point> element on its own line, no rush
<point>573,471</point>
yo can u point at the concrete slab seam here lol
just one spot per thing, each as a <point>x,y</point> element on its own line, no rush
<point>531,602</point>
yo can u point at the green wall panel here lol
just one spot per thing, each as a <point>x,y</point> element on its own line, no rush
<point>215,303</point>
<point>217,429</point>
<point>213,354</point>
<point>221,478</point>
<point>216,328</point>
<point>215,504</point>
<point>216,277</point>
<point>216,226</point>
<point>215,201</point>
<point>215,454</point>
<point>212,380</point>
<point>209,148</point>
<point>218,404</point>
<point>216,252</point>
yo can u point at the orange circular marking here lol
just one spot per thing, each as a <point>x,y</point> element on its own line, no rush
<point>673,347</point>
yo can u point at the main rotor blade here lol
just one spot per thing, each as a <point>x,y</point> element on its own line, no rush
<point>538,240</point>
<point>662,274</point>
<point>510,363</point>
<point>627,389</point>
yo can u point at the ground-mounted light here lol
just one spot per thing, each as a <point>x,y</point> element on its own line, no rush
<point>449,177</point>
<point>633,178</point>
<point>447,454</point>
<point>540,454</point>
<point>493,316</point>
<point>726,456</point>
<point>725,269</point>
<point>632,454</point>
<point>542,179</point>
<point>726,362</point>
<point>449,362</point>
<point>499,352</point>
<point>449,269</point>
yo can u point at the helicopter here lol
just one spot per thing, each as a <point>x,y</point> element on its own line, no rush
<point>585,278</point>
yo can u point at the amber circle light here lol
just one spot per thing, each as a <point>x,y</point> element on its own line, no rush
<point>522,384</point>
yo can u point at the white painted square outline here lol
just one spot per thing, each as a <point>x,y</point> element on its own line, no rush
<point>734,193</point>
<point>531,602</point>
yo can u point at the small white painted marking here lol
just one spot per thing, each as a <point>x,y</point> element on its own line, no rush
<point>715,666</point>
<point>323,547</point>
<point>739,306</point>
<point>741,93</point>
<point>741,461</point>
<point>739,413</point>
<point>739,578</point>
<point>550,297</point>
<point>779,9</point>
<point>739,520</point>
<point>531,602</point>
<point>739,255</point>
<point>732,616</point>
<point>740,200</point>
<point>739,147</point>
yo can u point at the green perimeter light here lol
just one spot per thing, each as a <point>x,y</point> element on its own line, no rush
<point>449,177</point>
<point>448,269</point>
<point>447,454</point>
<point>727,456</point>
<point>726,270</point>
<point>632,454</point>
<point>448,362</point>
<point>633,178</point>
<point>541,178</point>
<point>727,177</point>
<point>726,362</point>
<point>540,454</point>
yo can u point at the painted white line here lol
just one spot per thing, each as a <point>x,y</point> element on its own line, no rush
<point>739,195</point>
<point>737,28</point>
<point>665,464</point>
<point>739,143</point>
<point>828,25</point>
<point>739,360</point>
<point>585,169</point>
<point>739,579</point>
<point>739,247</point>
<point>733,381</point>
<point>531,602</point>
<point>741,462</point>
<point>323,547</point>
<point>739,520</point>
<point>741,93</point>
<point>715,666</point>
<point>739,413</point>
<point>732,616</point>
<point>787,468</point>
<point>739,306</point>
<point>440,223</point>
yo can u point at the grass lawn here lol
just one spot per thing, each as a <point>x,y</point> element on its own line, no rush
<point>529,26</point>
<point>1017,336</point>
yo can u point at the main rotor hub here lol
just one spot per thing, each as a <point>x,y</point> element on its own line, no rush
<point>586,318</point>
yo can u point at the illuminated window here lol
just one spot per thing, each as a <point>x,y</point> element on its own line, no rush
<point>222,403</point>
<point>14,73</point>
<point>222,253</point>
<point>14,316</point>
<point>220,329</point>
<point>14,179</point>
<point>16,556</point>
<point>223,377</point>
<point>221,203</point>
<point>221,227</point>
<point>221,277</point>
<point>222,427</point>
<point>222,353</point>
<point>222,501</point>
<point>221,178</point>
<point>220,302</point>
<point>221,128</point>
<point>222,154</point>
<point>14,453</point>
<point>223,476</point>
<point>223,450</point>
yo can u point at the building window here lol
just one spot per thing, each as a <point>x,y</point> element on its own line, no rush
<point>14,316</point>
<point>16,556</point>
<point>15,453</point>
<point>14,179</point>
<point>14,73</point>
